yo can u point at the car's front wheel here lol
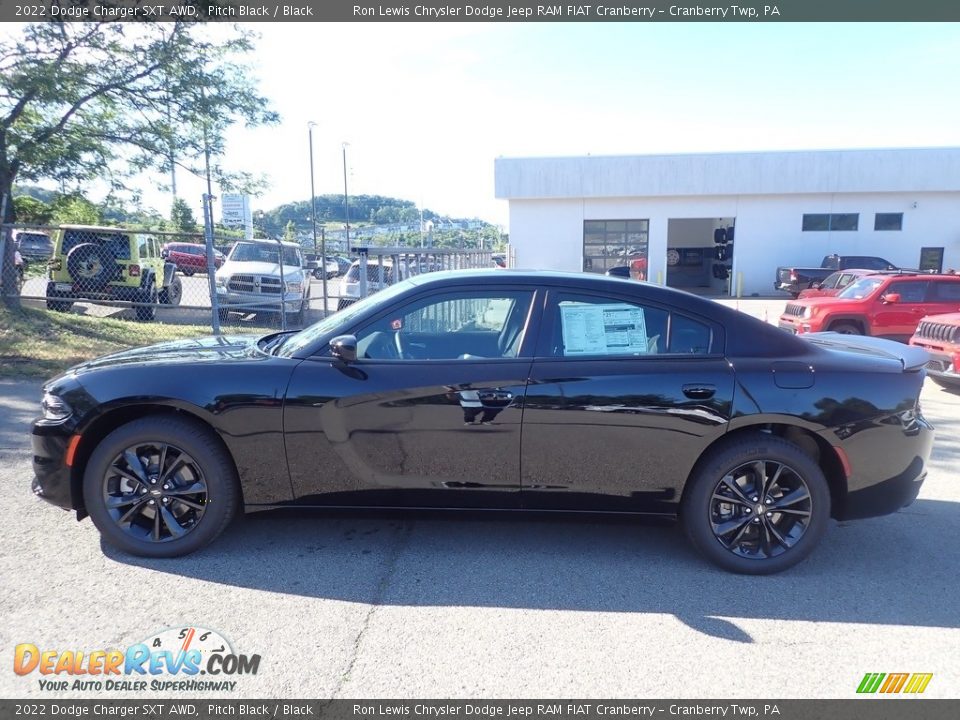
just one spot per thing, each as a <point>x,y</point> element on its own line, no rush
<point>758,505</point>
<point>160,487</point>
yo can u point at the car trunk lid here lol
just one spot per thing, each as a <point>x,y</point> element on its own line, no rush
<point>911,359</point>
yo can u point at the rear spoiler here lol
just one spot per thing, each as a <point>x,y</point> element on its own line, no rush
<point>912,358</point>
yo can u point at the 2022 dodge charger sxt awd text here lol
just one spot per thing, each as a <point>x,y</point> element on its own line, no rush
<point>628,397</point>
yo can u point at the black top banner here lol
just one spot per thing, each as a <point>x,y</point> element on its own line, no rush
<point>480,11</point>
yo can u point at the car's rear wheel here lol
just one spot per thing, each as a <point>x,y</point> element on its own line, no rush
<point>160,487</point>
<point>172,294</point>
<point>56,305</point>
<point>846,328</point>
<point>756,506</point>
<point>187,273</point>
<point>149,296</point>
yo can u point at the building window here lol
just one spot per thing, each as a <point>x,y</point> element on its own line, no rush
<point>820,222</point>
<point>614,243</point>
<point>888,221</point>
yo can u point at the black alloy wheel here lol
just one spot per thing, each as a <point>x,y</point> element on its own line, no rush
<point>173,293</point>
<point>845,328</point>
<point>756,505</point>
<point>160,487</point>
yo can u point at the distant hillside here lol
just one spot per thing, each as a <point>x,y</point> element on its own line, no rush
<point>364,210</point>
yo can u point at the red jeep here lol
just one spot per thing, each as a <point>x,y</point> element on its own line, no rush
<point>939,335</point>
<point>888,305</point>
<point>190,258</point>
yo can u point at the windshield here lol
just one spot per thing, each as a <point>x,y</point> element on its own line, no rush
<point>341,319</point>
<point>262,252</point>
<point>861,288</point>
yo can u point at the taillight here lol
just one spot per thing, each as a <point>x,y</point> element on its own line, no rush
<point>133,270</point>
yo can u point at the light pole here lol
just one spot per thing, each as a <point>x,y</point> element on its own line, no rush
<point>346,197</point>
<point>313,219</point>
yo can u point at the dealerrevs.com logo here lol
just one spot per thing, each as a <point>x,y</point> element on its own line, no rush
<point>893,683</point>
<point>169,661</point>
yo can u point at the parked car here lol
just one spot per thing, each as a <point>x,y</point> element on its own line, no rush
<point>939,335</point>
<point>630,398</point>
<point>251,280</point>
<point>793,279</point>
<point>888,305</point>
<point>499,260</point>
<point>191,258</point>
<point>34,245</point>
<point>103,263</point>
<point>834,283</point>
<point>379,275</point>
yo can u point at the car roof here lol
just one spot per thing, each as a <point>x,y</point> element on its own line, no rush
<point>273,243</point>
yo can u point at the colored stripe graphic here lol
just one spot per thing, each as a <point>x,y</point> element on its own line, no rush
<point>918,682</point>
<point>870,682</point>
<point>912,683</point>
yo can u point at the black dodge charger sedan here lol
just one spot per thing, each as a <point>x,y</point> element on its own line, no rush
<point>504,390</point>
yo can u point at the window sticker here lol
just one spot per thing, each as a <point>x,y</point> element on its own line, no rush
<point>610,329</point>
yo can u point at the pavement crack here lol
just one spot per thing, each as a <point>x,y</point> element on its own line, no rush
<point>403,539</point>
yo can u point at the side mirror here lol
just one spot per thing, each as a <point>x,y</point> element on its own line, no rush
<point>890,298</point>
<point>817,286</point>
<point>344,347</point>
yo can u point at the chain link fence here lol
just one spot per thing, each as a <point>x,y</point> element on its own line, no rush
<point>170,278</point>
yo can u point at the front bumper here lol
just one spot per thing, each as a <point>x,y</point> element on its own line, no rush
<point>942,367</point>
<point>258,302</point>
<point>52,478</point>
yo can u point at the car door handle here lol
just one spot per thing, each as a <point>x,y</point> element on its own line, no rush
<point>699,391</point>
<point>496,396</point>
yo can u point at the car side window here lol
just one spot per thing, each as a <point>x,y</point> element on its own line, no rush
<point>589,326</point>
<point>910,291</point>
<point>946,292</point>
<point>450,326</point>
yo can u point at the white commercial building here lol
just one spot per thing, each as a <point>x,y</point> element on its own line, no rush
<point>673,212</point>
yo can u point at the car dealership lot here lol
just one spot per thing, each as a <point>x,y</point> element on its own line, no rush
<point>367,605</point>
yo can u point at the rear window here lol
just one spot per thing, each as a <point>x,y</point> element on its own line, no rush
<point>117,243</point>
<point>34,241</point>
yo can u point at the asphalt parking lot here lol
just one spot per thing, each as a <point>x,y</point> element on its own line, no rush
<point>364,606</point>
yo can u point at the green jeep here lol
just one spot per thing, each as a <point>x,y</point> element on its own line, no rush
<point>102,263</point>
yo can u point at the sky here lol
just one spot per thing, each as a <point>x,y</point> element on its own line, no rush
<point>426,108</point>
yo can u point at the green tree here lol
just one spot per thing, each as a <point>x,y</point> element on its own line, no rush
<point>31,211</point>
<point>74,209</point>
<point>290,232</point>
<point>181,216</point>
<point>108,100</point>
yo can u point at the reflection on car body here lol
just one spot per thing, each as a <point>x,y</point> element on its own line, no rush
<point>629,398</point>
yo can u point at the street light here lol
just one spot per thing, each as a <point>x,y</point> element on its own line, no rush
<point>346,197</point>
<point>313,219</point>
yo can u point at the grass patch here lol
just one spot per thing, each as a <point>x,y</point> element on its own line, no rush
<point>40,343</point>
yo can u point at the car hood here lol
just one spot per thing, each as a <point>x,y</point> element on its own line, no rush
<point>260,268</point>
<point>199,350</point>
<point>945,318</point>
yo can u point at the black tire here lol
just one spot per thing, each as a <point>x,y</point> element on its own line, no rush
<point>187,273</point>
<point>146,313</point>
<point>224,315</point>
<point>208,465</point>
<point>846,328</point>
<point>728,532</point>
<point>172,293</point>
<point>91,266</point>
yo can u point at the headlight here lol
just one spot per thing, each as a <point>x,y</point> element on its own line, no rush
<point>294,287</point>
<point>809,311</point>
<point>55,408</point>
<point>222,280</point>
